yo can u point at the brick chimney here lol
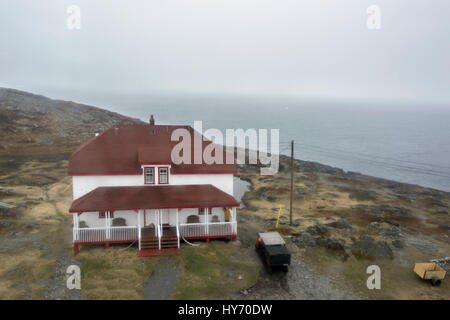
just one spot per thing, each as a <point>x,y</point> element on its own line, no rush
<point>152,120</point>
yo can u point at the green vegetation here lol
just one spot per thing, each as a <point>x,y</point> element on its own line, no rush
<point>210,271</point>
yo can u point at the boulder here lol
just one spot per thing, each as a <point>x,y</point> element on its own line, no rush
<point>331,244</point>
<point>5,224</point>
<point>305,240</point>
<point>384,229</point>
<point>264,193</point>
<point>318,229</point>
<point>340,224</point>
<point>399,244</point>
<point>367,248</point>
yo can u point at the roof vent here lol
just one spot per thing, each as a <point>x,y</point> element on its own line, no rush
<point>152,120</point>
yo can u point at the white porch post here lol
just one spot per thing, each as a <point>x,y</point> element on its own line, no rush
<point>156,223</point>
<point>206,221</point>
<point>75,226</point>
<point>178,229</point>
<point>159,228</point>
<point>234,219</point>
<point>107,224</point>
<point>139,228</point>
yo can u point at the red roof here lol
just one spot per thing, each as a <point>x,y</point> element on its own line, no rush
<point>123,149</point>
<point>153,197</point>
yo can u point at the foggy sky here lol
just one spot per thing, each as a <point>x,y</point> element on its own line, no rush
<point>313,48</point>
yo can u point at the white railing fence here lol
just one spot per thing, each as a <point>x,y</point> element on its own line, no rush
<point>203,229</point>
<point>193,230</point>
<point>221,228</point>
<point>104,234</point>
<point>131,233</point>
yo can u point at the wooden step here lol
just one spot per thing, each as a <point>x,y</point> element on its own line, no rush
<point>149,247</point>
<point>149,241</point>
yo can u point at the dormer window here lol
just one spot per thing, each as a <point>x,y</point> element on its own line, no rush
<point>149,175</point>
<point>163,175</point>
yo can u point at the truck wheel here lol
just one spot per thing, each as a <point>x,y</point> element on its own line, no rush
<point>285,268</point>
<point>435,282</point>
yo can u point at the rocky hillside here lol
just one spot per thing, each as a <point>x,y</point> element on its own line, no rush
<point>32,124</point>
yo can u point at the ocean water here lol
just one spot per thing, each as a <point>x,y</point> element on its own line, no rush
<point>401,142</point>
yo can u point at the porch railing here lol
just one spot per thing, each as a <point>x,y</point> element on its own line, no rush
<point>210,229</point>
<point>131,233</point>
<point>221,228</point>
<point>103,234</point>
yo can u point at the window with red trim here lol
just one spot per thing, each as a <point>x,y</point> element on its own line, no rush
<point>102,215</point>
<point>163,176</point>
<point>149,175</point>
<point>201,211</point>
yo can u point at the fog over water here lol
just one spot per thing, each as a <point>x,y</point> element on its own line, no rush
<point>374,101</point>
<point>407,143</point>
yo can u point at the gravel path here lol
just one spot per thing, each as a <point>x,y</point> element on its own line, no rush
<point>299,283</point>
<point>161,284</point>
<point>57,288</point>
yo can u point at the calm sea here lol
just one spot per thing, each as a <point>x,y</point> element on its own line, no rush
<point>405,143</point>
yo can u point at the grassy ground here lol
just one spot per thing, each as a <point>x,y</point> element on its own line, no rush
<point>33,233</point>
<point>36,238</point>
<point>213,270</point>
<point>205,272</point>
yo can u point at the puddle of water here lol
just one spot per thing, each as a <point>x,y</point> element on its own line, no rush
<point>240,187</point>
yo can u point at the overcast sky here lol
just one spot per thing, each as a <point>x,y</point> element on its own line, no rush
<point>314,48</point>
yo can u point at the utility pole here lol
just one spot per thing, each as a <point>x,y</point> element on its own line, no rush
<point>292,181</point>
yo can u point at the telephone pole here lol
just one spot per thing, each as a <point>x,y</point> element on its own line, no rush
<point>292,181</point>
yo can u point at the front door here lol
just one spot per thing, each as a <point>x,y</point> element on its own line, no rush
<point>164,216</point>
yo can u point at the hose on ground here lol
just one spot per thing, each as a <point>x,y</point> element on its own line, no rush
<point>191,244</point>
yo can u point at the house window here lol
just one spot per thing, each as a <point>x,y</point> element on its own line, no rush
<point>201,211</point>
<point>102,215</point>
<point>163,176</point>
<point>149,176</point>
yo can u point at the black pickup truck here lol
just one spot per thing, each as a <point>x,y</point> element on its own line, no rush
<point>272,249</point>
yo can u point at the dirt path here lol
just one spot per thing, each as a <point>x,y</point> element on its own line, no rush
<point>161,285</point>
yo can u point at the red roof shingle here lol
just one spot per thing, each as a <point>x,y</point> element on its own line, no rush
<point>123,149</point>
<point>153,197</point>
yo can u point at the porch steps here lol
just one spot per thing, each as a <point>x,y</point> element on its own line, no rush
<point>154,253</point>
<point>169,242</point>
<point>149,243</point>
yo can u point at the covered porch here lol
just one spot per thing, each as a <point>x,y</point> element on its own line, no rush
<point>156,229</point>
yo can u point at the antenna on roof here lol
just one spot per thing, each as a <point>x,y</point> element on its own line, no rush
<point>152,120</point>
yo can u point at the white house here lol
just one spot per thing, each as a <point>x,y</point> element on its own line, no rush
<point>127,189</point>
